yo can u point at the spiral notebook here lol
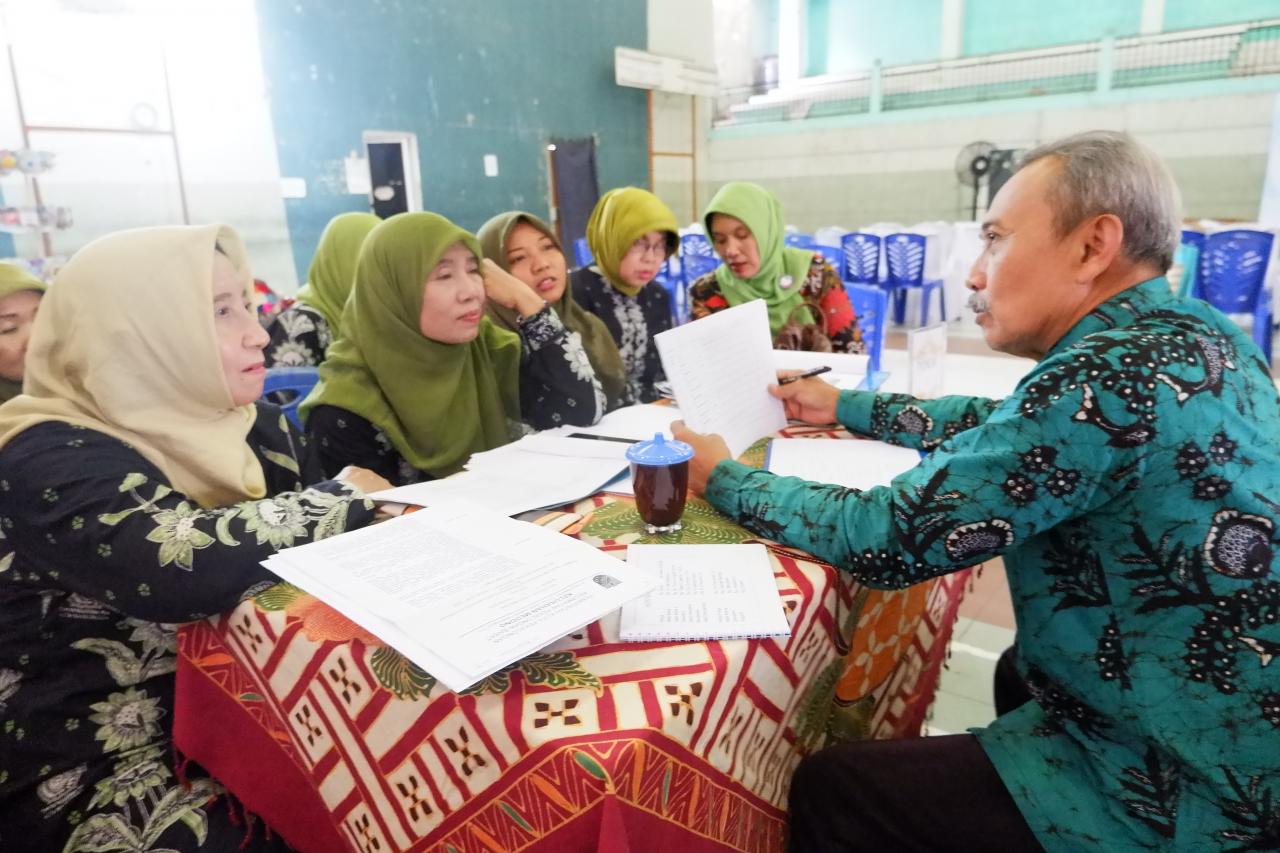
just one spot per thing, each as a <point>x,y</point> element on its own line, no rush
<point>705,592</point>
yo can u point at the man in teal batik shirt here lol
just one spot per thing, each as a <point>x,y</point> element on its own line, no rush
<point>1131,483</point>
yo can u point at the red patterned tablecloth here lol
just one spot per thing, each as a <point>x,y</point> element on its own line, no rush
<point>340,743</point>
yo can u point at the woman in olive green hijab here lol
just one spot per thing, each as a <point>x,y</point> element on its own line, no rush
<point>301,334</point>
<point>20,294</point>
<point>807,302</point>
<point>420,378</point>
<point>525,246</point>
<point>631,234</point>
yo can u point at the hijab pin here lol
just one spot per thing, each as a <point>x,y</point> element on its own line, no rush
<point>785,282</point>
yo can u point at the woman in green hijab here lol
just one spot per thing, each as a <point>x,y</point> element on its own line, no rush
<point>20,294</point>
<point>631,234</point>
<point>525,246</point>
<point>807,302</point>
<point>420,378</point>
<point>301,334</point>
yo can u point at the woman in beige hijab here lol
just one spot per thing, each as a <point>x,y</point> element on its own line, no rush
<point>141,485</point>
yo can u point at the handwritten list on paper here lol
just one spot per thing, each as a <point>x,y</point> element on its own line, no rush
<point>720,368</point>
<point>705,592</point>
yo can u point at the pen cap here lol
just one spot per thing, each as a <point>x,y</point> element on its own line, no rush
<point>659,451</point>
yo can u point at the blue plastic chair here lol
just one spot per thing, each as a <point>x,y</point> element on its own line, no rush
<point>673,283</point>
<point>582,252</point>
<point>861,258</point>
<point>870,305</point>
<point>834,256</point>
<point>904,260</point>
<point>692,245</point>
<point>289,386</point>
<point>696,266</point>
<point>1232,273</point>
<point>1189,256</point>
<point>800,241</point>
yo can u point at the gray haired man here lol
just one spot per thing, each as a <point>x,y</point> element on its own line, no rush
<point>1131,483</point>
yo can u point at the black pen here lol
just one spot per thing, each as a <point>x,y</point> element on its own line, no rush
<point>812,372</point>
<point>603,437</point>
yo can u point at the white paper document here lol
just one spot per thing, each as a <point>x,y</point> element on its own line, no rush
<point>847,370</point>
<point>854,464</point>
<point>515,480</point>
<point>638,422</point>
<point>707,592</point>
<point>720,368</point>
<point>464,591</point>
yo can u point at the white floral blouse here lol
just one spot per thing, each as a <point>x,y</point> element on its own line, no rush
<point>99,557</point>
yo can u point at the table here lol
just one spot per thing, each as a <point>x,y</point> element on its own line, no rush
<point>993,376</point>
<point>340,743</point>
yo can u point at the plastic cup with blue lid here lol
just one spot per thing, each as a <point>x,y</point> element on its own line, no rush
<point>660,477</point>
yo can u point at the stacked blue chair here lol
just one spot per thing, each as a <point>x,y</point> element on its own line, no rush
<point>860,255</point>
<point>904,259</point>
<point>673,283</point>
<point>696,266</point>
<point>870,305</point>
<point>800,241</point>
<point>582,252</point>
<point>696,244</point>
<point>289,386</point>
<point>1189,254</point>
<point>834,257</point>
<point>1233,269</point>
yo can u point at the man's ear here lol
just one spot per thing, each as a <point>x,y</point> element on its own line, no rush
<point>1100,240</point>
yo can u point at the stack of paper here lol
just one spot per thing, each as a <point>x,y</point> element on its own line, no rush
<point>633,422</point>
<point>460,591</point>
<point>854,464</point>
<point>537,471</point>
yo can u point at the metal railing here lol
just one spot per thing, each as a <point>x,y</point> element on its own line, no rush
<point>1238,50</point>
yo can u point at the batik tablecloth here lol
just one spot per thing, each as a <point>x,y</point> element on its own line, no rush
<point>340,743</point>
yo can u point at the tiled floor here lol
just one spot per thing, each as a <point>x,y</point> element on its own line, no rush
<point>984,630</point>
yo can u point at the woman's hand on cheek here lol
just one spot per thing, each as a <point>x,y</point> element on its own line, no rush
<point>502,288</point>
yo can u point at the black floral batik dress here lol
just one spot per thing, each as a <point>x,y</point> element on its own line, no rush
<point>99,558</point>
<point>1132,484</point>
<point>300,336</point>
<point>633,321</point>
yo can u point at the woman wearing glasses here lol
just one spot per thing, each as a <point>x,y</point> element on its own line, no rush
<point>631,234</point>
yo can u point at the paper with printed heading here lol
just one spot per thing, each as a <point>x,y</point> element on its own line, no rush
<point>720,368</point>
<point>465,591</point>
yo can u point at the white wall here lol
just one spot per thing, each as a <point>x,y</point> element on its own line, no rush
<point>79,69</point>
<point>678,123</point>
<point>905,171</point>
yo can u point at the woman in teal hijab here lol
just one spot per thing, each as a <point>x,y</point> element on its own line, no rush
<point>301,334</point>
<point>420,378</point>
<point>801,290</point>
